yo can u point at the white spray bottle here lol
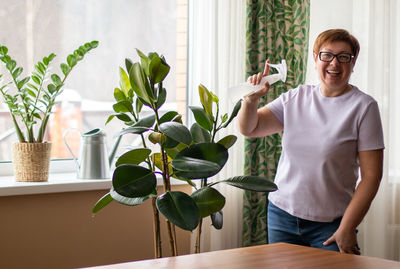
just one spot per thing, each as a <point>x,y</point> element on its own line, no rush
<point>246,88</point>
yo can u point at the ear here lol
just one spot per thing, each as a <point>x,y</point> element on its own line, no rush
<point>315,55</point>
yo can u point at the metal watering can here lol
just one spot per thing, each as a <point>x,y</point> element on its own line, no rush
<point>93,162</point>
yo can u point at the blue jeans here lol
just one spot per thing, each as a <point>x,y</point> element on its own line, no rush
<point>283,227</point>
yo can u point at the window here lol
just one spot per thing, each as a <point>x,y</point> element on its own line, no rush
<point>32,29</point>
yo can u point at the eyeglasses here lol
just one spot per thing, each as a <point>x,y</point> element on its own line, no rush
<point>341,57</point>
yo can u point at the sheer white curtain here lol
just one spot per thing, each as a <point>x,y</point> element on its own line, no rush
<point>376,24</point>
<point>217,60</point>
<point>217,48</point>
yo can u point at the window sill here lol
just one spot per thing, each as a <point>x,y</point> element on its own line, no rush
<point>59,182</point>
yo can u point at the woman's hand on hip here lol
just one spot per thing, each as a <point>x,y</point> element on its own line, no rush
<point>346,241</point>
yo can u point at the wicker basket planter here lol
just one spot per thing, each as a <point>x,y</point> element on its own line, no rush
<point>31,161</point>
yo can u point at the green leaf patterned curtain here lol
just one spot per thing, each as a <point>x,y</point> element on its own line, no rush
<point>276,30</point>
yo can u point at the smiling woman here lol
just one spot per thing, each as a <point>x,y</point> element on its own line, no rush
<point>32,29</point>
<point>376,25</point>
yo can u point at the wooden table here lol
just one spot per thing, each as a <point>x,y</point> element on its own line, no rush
<point>278,255</point>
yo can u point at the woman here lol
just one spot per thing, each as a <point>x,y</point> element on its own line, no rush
<point>330,130</point>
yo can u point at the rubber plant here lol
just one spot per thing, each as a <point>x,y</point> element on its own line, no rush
<point>31,101</point>
<point>187,154</point>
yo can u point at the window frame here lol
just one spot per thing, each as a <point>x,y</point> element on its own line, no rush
<point>68,165</point>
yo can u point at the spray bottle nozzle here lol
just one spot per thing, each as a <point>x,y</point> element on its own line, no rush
<point>281,68</point>
<point>238,90</point>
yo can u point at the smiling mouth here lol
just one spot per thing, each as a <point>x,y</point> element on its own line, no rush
<point>332,72</point>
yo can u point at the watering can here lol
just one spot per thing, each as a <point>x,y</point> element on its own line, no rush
<point>94,161</point>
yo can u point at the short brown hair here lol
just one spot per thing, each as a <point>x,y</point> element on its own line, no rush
<point>332,35</point>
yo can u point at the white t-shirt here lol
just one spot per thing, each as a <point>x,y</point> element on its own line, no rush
<point>318,167</point>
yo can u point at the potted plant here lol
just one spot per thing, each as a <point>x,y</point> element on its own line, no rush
<point>186,154</point>
<point>30,101</point>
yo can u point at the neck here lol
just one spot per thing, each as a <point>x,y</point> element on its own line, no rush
<point>335,92</point>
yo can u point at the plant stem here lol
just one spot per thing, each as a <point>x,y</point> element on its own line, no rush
<point>157,234</point>
<point>167,187</point>
<point>166,176</point>
<point>42,128</point>
<point>156,214</point>
<point>42,79</point>
<point>198,237</point>
<point>175,241</point>
<point>171,239</point>
<point>20,135</point>
<point>165,170</point>
<point>29,132</point>
<point>215,125</point>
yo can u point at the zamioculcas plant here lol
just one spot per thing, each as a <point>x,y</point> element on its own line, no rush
<point>31,101</point>
<point>187,154</point>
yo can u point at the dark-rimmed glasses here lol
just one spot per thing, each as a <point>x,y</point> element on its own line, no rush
<point>341,57</point>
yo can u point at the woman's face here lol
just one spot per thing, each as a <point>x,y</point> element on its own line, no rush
<point>334,75</point>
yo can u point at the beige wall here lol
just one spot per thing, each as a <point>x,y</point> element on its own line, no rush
<point>58,231</point>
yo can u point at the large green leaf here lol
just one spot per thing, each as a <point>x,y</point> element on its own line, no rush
<point>252,183</point>
<point>192,162</point>
<point>147,121</point>
<point>193,168</point>
<point>139,127</point>
<point>124,117</point>
<point>176,131</point>
<point>128,64</point>
<point>133,130</point>
<point>161,98</point>
<point>102,202</point>
<point>140,84</point>
<point>180,209</point>
<point>208,200</point>
<point>201,117</point>
<point>206,99</point>
<point>124,82</point>
<point>130,201</point>
<point>122,107</point>
<point>135,156</point>
<point>235,111</point>
<point>172,152</point>
<point>200,135</point>
<point>169,116</point>
<point>228,141</point>
<point>144,61</point>
<point>132,181</point>
<point>119,95</point>
<point>138,104</point>
<point>158,69</point>
<point>170,143</point>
